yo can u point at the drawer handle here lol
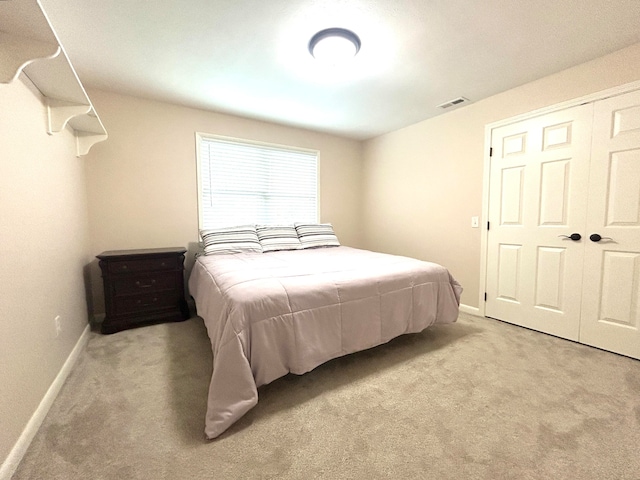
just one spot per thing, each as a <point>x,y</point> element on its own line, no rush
<point>163,264</point>
<point>124,267</point>
<point>145,285</point>
<point>139,302</point>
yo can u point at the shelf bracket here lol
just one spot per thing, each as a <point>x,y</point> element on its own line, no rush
<point>17,52</point>
<point>86,140</point>
<point>61,111</point>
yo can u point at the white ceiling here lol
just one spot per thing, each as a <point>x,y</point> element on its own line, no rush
<point>250,58</point>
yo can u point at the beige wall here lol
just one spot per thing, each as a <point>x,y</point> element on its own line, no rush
<point>142,181</point>
<point>423,183</point>
<point>43,251</point>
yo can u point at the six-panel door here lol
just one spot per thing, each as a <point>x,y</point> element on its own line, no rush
<point>610,306</point>
<point>539,175</point>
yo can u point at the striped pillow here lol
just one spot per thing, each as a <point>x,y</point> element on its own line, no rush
<point>316,235</point>
<point>274,238</point>
<point>231,240</point>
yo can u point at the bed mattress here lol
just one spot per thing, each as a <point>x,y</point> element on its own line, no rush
<point>268,314</point>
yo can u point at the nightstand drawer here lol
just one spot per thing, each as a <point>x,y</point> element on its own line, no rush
<point>144,265</point>
<point>144,284</point>
<point>144,303</point>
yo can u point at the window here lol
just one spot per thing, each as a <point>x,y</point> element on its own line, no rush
<point>243,182</point>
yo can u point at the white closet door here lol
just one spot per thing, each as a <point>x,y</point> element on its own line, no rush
<point>611,304</point>
<point>537,192</point>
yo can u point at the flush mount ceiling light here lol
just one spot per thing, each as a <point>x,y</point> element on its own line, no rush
<point>334,45</point>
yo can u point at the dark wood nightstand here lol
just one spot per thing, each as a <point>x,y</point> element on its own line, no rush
<point>142,287</point>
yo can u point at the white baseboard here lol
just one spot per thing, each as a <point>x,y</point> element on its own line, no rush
<point>14,458</point>
<point>475,311</point>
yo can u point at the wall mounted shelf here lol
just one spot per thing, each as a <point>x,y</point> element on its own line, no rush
<point>29,45</point>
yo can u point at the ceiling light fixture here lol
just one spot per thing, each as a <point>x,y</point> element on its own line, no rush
<point>334,45</point>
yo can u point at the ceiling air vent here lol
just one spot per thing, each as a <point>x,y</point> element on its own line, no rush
<point>454,102</point>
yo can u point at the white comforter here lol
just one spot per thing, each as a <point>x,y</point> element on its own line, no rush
<point>268,314</point>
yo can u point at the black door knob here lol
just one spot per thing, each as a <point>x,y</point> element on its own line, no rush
<point>574,236</point>
<point>594,237</point>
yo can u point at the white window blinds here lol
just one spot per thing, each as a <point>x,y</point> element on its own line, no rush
<point>242,182</point>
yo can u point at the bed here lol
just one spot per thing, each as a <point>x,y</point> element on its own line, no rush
<point>268,314</point>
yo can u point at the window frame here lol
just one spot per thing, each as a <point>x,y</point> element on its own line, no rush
<point>200,136</point>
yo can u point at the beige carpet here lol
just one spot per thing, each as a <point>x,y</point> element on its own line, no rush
<point>476,400</point>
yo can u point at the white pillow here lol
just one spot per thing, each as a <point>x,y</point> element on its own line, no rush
<point>313,235</point>
<point>231,240</point>
<point>278,237</point>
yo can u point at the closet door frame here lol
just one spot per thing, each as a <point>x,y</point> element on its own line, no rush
<point>594,97</point>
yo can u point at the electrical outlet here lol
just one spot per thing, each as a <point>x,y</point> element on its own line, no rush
<point>474,222</point>
<point>58,325</point>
